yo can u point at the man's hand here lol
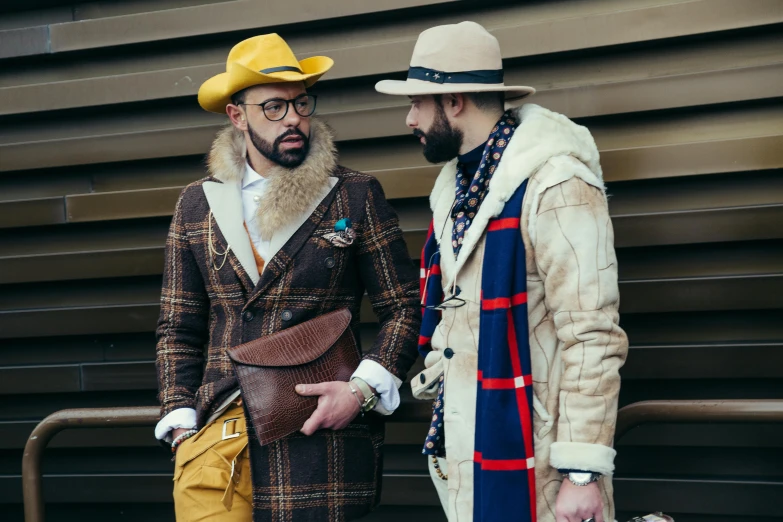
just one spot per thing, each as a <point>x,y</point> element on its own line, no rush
<point>176,433</point>
<point>337,406</point>
<point>578,503</point>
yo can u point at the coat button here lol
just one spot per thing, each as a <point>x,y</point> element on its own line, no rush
<point>422,378</point>
<point>248,316</point>
<point>448,353</point>
<point>287,315</point>
<point>329,262</point>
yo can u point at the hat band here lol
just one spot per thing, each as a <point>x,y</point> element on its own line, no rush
<point>283,68</point>
<point>494,76</point>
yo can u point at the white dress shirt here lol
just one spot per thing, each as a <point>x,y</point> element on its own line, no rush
<point>254,186</point>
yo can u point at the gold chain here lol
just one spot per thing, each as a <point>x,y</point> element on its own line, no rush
<point>212,251</point>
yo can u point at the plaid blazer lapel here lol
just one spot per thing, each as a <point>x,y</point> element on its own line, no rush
<point>225,202</point>
<point>284,257</point>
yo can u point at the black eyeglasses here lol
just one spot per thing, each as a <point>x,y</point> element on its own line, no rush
<point>449,302</point>
<point>277,108</point>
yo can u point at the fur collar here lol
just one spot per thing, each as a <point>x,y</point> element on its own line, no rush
<point>541,136</point>
<point>290,192</point>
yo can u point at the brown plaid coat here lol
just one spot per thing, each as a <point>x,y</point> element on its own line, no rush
<point>207,308</point>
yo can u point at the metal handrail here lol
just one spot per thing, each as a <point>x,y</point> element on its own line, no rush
<point>629,417</point>
<point>32,492</point>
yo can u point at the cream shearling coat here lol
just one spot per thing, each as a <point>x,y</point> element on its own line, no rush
<point>577,347</point>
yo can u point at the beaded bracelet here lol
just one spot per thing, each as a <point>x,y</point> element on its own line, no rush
<point>181,438</point>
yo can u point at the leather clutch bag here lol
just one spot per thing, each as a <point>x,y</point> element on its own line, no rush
<point>268,369</point>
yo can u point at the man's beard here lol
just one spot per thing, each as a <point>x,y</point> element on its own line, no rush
<point>443,141</point>
<point>289,158</point>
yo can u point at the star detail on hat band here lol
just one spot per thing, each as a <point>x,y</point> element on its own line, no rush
<point>493,76</point>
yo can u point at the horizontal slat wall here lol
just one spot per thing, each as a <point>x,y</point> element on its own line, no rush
<point>100,130</point>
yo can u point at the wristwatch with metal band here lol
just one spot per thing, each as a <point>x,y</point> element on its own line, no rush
<point>582,478</point>
<point>370,399</point>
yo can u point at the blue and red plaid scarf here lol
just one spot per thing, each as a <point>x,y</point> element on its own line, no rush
<point>504,464</point>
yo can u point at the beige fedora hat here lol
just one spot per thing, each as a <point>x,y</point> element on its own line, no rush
<point>462,57</point>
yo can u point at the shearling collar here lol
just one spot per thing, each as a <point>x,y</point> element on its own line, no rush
<point>290,192</point>
<point>541,136</point>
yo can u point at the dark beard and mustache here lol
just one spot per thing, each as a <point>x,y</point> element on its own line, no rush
<point>290,158</point>
<point>443,141</point>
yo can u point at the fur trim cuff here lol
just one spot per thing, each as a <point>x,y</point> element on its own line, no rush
<point>584,456</point>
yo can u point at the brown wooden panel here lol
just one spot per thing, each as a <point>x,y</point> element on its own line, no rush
<point>40,351</point>
<point>750,463</point>
<point>82,265</point>
<point>211,19</point>
<point>709,361</point>
<point>38,184</point>
<point>122,205</point>
<point>742,189</point>
<point>14,434</point>
<point>734,155</point>
<point>84,237</point>
<point>699,226</point>
<point>73,151</point>
<point>79,321</point>
<point>760,435</point>
<point>43,211</point>
<point>698,294</point>
<point>139,175</point>
<point>703,327</point>
<point>588,98</point>
<point>26,41</point>
<point>76,349</point>
<point>370,57</point>
<point>11,7</point>
<point>728,497</point>
<point>664,93</point>
<point>701,260</point>
<point>51,296</point>
<point>119,376</point>
<point>698,389</point>
<point>128,347</point>
<point>38,406</point>
<point>15,380</point>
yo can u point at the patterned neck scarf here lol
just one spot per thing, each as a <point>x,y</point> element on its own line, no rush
<point>472,188</point>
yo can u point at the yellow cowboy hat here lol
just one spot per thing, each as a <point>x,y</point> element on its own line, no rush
<point>258,61</point>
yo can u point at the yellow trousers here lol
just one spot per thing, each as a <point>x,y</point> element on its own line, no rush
<point>212,472</point>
